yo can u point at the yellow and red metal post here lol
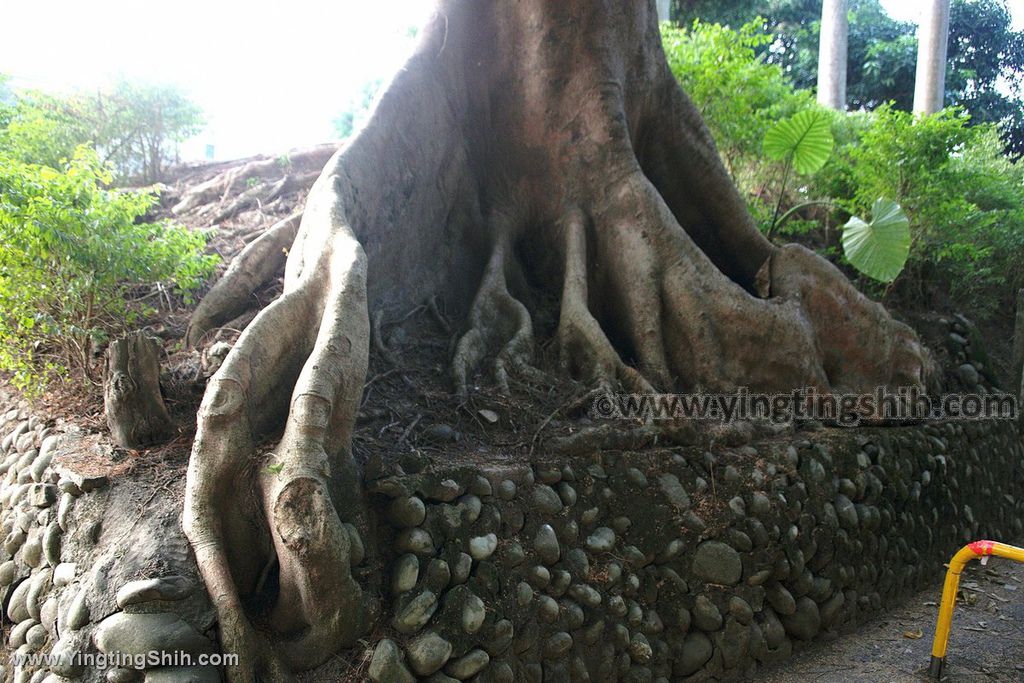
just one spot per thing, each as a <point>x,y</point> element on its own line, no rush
<point>974,551</point>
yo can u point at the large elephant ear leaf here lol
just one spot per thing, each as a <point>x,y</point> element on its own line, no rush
<point>805,138</point>
<point>879,249</point>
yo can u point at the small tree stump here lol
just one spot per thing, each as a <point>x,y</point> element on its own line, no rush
<point>135,410</point>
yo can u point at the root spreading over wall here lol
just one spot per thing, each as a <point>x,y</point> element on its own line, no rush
<point>529,152</point>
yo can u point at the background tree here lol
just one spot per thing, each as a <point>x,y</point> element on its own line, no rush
<point>986,66</point>
<point>833,54</point>
<point>357,110</point>
<point>138,127</point>
<point>135,128</point>
<point>985,54</point>
<point>933,41</point>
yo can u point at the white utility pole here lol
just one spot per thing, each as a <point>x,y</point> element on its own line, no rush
<point>932,51</point>
<point>663,10</point>
<point>833,54</point>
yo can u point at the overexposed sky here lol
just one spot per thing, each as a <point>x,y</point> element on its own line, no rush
<point>269,75</point>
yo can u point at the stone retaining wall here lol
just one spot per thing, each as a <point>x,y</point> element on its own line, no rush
<point>670,565</point>
<point>681,564</point>
<point>88,568</point>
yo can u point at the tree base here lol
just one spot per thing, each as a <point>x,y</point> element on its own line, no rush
<point>547,154</point>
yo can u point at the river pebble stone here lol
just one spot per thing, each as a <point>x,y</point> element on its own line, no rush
<point>416,613</point>
<point>717,563</point>
<point>545,543</point>
<point>482,547</point>
<point>428,653</point>
<point>468,665</point>
<point>388,664</point>
<point>138,634</point>
<point>166,588</point>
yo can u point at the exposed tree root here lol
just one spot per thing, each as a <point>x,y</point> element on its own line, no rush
<point>315,339</point>
<point>265,193</point>
<point>690,327</point>
<point>258,263</point>
<point>377,336</point>
<point>438,316</point>
<point>303,164</point>
<point>584,348</point>
<point>566,115</point>
<point>498,322</point>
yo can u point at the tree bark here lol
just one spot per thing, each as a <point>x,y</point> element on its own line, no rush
<point>261,260</point>
<point>833,54</point>
<point>526,145</point>
<point>134,408</point>
<point>933,43</point>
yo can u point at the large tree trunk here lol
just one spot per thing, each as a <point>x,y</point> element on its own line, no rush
<point>933,42</point>
<point>833,54</point>
<point>533,141</point>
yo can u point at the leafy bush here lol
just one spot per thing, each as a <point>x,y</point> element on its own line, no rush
<point>964,197</point>
<point>985,72</point>
<point>135,128</point>
<point>740,95</point>
<point>878,248</point>
<point>74,255</point>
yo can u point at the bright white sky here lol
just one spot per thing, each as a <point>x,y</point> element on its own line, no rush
<point>269,75</point>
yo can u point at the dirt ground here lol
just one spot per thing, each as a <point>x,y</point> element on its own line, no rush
<point>987,642</point>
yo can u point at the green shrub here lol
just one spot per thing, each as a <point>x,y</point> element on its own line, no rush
<point>36,133</point>
<point>964,197</point>
<point>73,254</point>
<point>135,128</point>
<point>740,95</point>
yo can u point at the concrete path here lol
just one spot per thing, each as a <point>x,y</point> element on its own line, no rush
<point>987,643</point>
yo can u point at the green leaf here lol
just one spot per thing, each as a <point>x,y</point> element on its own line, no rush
<point>879,249</point>
<point>276,468</point>
<point>805,138</point>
